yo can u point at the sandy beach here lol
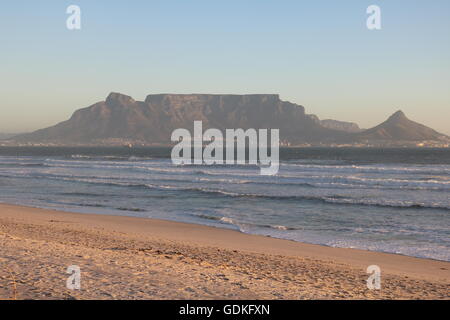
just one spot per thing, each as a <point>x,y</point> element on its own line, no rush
<point>138,258</point>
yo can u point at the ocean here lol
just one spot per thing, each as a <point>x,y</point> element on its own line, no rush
<point>387,200</point>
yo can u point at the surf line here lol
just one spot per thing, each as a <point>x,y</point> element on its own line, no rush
<point>236,147</point>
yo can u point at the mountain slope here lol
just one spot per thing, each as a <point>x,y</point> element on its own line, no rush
<point>120,117</point>
<point>122,120</point>
<point>399,127</point>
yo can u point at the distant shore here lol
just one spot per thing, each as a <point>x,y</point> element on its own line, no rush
<point>382,145</point>
<point>139,258</point>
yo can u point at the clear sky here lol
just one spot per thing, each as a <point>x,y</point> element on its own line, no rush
<point>316,53</point>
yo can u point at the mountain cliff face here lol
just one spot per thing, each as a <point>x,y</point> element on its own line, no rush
<point>120,119</point>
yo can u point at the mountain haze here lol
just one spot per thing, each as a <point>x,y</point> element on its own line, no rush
<point>7,135</point>
<point>336,124</point>
<point>121,120</point>
<point>153,120</point>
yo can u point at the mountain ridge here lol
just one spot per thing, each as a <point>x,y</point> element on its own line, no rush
<point>337,124</point>
<point>119,119</point>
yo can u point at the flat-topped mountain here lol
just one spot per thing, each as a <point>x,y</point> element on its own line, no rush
<point>153,120</point>
<point>121,119</point>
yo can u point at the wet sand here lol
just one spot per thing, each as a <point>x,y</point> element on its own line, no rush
<point>138,258</point>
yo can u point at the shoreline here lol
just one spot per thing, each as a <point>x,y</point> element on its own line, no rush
<point>109,214</point>
<point>6,144</point>
<point>213,262</point>
<point>194,224</point>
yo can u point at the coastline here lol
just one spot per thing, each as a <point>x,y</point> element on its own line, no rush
<point>141,258</point>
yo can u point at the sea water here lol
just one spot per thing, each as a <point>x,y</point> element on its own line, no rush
<point>389,200</point>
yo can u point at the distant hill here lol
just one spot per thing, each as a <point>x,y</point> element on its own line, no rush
<point>7,135</point>
<point>337,125</point>
<point>399,127</point>
<point>122,120</point>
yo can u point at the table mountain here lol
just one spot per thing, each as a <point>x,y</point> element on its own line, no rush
<point>120,117</point>
<point>120,120</point>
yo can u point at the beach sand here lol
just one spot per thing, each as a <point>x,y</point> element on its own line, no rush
<point>138,258</point>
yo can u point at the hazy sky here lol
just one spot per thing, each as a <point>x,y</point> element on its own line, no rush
<point>316,53</point>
